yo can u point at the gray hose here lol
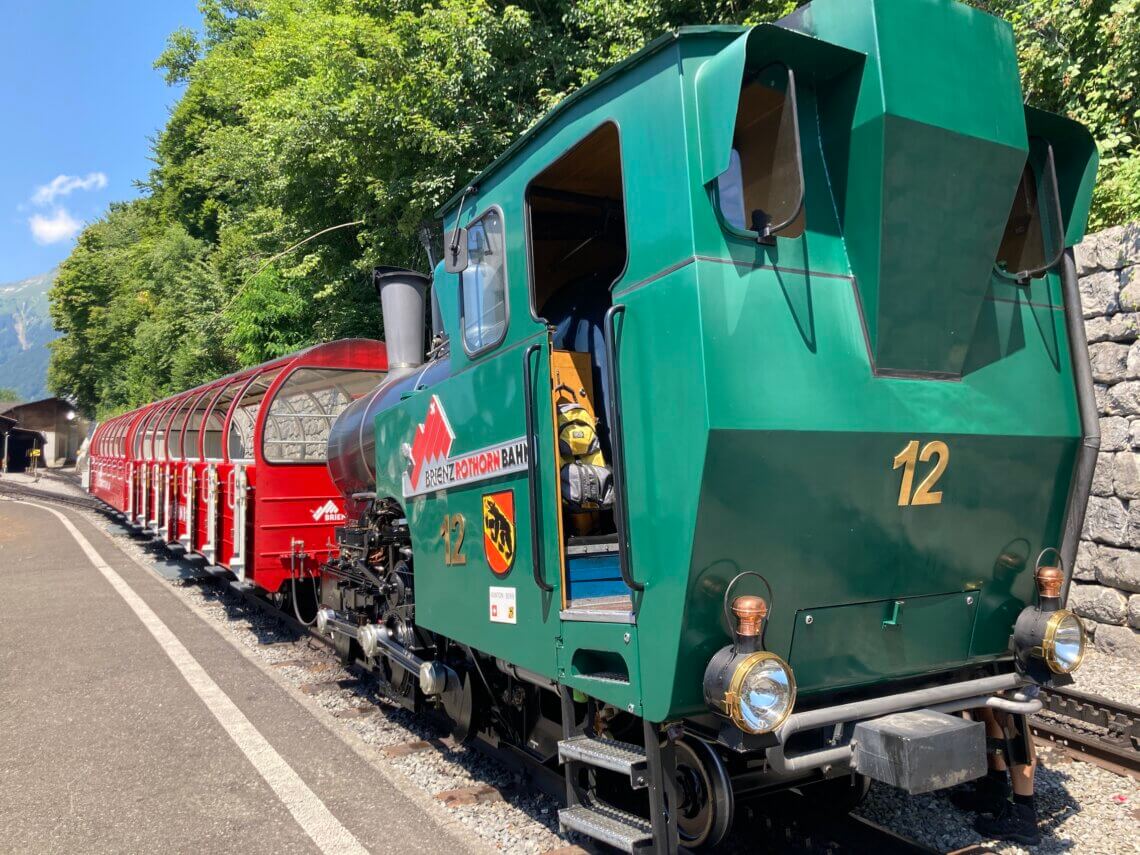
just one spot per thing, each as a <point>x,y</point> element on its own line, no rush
<point>1090,420</point>
<point>296,611</point>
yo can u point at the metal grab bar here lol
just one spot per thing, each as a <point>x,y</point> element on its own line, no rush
<point>945,698</point>
<point>613,413</point>
<point>532,470</point>
<point>231,488</point>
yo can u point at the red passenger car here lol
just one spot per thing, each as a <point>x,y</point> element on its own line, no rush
<point>234,470</point>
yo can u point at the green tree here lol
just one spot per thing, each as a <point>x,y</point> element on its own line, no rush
<point>1081,58</point>
<point>7,394</point>
<point>301,115</point>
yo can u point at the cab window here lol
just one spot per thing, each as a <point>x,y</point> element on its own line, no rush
<point>484,285</point>
<point>1023,241</point>
<point>762,188</point>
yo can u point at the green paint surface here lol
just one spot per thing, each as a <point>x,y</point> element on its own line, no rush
<point>761,412</point>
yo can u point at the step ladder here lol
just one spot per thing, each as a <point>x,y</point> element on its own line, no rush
<point>592,817</point>
<point>606,824</point>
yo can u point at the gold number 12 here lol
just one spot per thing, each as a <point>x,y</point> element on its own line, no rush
<point>453,548</point>
<point>909,458</point>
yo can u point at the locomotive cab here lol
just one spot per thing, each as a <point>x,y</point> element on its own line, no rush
<point>763,411</point>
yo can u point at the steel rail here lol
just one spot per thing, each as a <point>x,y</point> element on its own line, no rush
<point>1072,720</point>
<point>87,502</point>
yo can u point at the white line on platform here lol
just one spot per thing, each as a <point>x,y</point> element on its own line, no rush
<point>307,809</point>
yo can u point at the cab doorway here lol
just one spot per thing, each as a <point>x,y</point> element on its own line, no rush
<point>578,250</point>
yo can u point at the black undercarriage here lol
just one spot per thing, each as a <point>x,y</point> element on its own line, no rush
<point>371,584</point>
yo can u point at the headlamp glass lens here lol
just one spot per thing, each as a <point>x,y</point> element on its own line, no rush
<point>1068,643</point>
<point>765,696</point>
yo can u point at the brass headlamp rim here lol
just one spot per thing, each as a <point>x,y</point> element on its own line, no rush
<point>1048,643</point>
<point>732,696</point>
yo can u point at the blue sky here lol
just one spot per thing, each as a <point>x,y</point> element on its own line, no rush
<point>79,102</point>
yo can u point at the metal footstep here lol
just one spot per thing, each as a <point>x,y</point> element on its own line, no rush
<point>607,824</point>
<point>607,754</point>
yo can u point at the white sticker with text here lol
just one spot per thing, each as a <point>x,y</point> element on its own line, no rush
<point>503,605</point>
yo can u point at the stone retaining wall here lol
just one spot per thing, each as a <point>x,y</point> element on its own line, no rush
<point>1106,587</point>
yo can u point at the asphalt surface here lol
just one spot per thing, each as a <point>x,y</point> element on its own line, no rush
<point>105,746</point>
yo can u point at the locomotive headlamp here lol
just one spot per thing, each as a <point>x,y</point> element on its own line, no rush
<point>754,688</point>
<point>1064,643</point>
<point>1046,632</point>
<point>760,693</point>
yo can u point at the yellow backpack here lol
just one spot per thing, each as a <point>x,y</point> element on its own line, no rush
<point>577,432</point>
<point>586,479</point>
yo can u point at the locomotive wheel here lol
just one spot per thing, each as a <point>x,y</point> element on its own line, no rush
<point>461,705</point>
<point>705,792</point>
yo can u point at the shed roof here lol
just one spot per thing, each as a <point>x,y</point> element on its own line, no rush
<point>11,406</point>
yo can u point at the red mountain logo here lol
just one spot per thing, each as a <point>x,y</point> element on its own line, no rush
<point>431,466</point>
<point>328,512</point>
<point>433,439</point>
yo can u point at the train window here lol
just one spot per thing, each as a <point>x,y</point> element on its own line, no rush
<point>136,442</point>
<point>174,431</point>
<point>148,434</point>
<point>483,285</point>
<point>304,409</point>
<point>194,424</point>
<point>1034,225</point>
<point>577,224</point>
<point>192,421</point>
<point>162,431</point>
<point>215,420</point>
<point>244,418</point>
<point>761,192</point>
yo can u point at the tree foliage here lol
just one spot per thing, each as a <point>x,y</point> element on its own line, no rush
<point>1081,58</point>
<point>300,115</point>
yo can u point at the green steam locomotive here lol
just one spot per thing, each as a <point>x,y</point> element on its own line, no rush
<point>755,426</point>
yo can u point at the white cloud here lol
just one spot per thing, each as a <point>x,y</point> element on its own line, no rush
<point>59,226</point>
<point>62,185</point>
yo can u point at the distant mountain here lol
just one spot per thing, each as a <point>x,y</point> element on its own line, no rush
<point>25,330</point>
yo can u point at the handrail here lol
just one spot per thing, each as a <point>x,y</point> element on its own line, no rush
<point>613,413</point>
<point>532,470</point>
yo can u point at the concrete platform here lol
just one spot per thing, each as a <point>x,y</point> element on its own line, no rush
<point>111,739</point>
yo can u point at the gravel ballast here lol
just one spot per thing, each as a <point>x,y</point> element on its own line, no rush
<point>1082,808</point>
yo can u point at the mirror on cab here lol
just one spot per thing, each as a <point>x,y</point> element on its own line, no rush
<point>455,252</point>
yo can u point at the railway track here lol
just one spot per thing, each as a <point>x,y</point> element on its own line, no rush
<point>1083,725</point>
<point>782,825</point>
<point>23,491</point>
<point>1091,728</point>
